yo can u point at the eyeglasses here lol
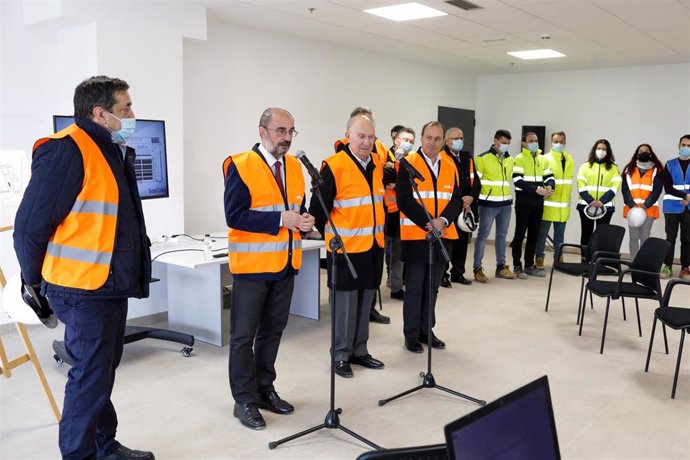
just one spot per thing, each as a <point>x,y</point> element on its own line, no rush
<point>283,131</point>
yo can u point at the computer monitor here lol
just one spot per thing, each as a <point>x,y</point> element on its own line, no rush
<point>151,164</point>
<point>519,425</point>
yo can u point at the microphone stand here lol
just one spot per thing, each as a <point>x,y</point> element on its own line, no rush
<point>332,419</point>
<point>434,236</point>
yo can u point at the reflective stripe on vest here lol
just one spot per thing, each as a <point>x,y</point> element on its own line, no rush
<point>640,189</point>
<point>357,209</point>
<point>435,199</point>
<point>80,251</point>
<point>672,203</point>
<point>557,206</point>
<point>251,252</point>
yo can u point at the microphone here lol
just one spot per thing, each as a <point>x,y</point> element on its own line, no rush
<point>313,172</point>
<point>414,174</point>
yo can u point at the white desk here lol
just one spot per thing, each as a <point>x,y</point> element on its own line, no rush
<point>192,288</point>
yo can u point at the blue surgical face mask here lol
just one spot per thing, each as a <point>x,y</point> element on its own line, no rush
<point>127,127</point>
<point>406,146</point>
<point>533,147</point>
<point>684,152</point>
<point>503,147</point>
<point>457,145</point>
<point>557,147</point>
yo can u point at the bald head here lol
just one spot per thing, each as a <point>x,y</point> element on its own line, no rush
<point>361,136</point>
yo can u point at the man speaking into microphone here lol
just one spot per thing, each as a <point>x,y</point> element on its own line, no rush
<point>353,195</point>
<point>265,213</point>
<point>437,179</point>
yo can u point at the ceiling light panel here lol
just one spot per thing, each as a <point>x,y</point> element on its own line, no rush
<point>536,54</point>
<point>406,12</point>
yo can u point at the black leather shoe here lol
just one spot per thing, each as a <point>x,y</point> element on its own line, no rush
<point>271,401</point>
<point>460,279</point>
<point>414,345</point>
<point>249,416</point>
<point>435,342</point>
<point>400,295</point>
<point>366,361</point>
<point>445,281</point>
<point>376,317</point>
<point>124,453</point>
<point>343,369</point>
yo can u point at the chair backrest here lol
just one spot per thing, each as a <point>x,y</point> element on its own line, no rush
<point>606,237</point>
<point>650,258</point>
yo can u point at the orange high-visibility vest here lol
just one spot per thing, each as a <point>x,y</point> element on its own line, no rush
<point>251,252</point>
<point>390,198</point>
<point>81,249</point>
<point>226,165</point>
<point>640,188</point>
<point>435,199</point>
<point>357,210</point>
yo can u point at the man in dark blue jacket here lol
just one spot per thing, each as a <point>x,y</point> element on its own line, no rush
<point>80,236</point>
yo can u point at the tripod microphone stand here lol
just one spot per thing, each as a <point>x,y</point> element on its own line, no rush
<point>429,382</point>
<point>332,419</point>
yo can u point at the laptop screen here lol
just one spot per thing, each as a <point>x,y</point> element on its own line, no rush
<point>519,425</point>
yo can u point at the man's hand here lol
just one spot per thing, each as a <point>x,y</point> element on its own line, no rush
<point>291,220</point>
<point>544,191</point>
<point>467,201</point>
<point>389,165</point>
<point>597,204</point>
<point>306,222</point>
<point>439,224</point>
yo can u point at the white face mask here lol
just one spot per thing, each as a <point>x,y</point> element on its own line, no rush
<point>557,147</point>
<point>503,147</point>
<point>406,146</point>
<point>600,154</point>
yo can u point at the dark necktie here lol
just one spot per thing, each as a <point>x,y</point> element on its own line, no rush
<point>279,177</point>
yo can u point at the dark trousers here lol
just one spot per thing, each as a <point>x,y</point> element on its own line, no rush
<point>415,303</point>
<point>527,220</point>
<point>351,322</point>
<point>259,314</point>
<point>458,254</point>
<point>673,221</point>
<point>94,338</point>
<point>587,225</point>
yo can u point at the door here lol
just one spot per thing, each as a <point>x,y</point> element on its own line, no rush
<point>459,118</point>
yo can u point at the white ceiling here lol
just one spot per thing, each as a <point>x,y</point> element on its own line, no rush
<point>594,33</point>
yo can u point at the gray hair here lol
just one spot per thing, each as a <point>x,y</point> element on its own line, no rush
<point>355,117</point>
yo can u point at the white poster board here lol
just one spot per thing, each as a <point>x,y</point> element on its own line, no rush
<point>14,176</point>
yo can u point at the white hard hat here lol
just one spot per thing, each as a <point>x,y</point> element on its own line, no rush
<point>18,309</point>
<point>466,221</point>
<point>595,213</point>
<point>636,217</point>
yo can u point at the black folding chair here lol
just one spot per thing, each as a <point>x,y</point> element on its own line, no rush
<point>605,242</point>
<point>677,318</point>
<point>645,280</point>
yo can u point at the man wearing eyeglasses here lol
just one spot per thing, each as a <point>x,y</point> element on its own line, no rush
<point>265,213</point>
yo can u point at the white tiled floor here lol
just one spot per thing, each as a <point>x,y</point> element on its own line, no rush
<point>498,337</point>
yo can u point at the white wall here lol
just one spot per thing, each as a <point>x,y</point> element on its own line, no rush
<point>628,106</point>
<point>48,47</point>
<point>235,74</point>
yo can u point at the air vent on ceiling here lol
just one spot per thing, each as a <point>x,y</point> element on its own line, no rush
<point>465,5</point>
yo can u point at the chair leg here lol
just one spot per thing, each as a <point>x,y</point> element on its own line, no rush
<point>625,318</point>
<point>591,300</point>
<point>639,323</point>
<point>663,328</point>
<point>606,320</point>
<point>548,293</point>
<point>582,312</point>
<point>680,354</point>
<point>579,302</point>
<point>651,342</point>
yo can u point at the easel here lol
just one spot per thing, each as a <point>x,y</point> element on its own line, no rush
<point>6,366</point>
